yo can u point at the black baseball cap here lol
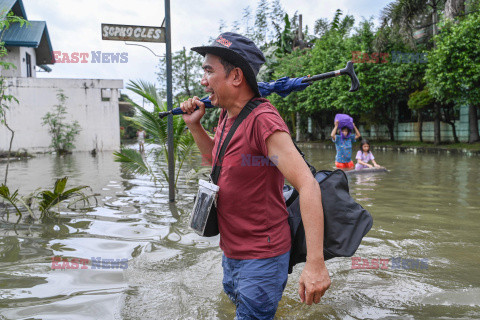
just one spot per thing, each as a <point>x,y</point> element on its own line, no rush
<point>239,51</point>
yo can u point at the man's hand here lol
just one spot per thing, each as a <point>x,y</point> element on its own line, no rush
<point>192,120</point>
<point>192,116</point>
<point>314,281</point>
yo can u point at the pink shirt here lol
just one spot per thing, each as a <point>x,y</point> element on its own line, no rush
<point>252,216</point>
<point>365,158</point>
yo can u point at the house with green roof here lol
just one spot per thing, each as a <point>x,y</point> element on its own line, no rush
<point>92,102</point>
<point>29,46</point>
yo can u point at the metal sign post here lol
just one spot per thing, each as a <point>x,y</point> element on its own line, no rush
<point>171,163</point>
<point>152,34</point>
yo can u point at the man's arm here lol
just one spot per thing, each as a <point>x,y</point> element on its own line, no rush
<point>314,280</point>
<point>192,120</point>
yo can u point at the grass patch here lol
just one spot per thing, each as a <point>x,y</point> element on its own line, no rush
<point>15,154</point>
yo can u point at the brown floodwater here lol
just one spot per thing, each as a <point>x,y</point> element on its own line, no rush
<point>427,209</point>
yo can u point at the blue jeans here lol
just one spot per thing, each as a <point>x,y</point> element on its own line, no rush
<point>255,286</point>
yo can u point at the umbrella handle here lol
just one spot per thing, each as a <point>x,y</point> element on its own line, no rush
<point>348,70</point>
<point>177,111</point>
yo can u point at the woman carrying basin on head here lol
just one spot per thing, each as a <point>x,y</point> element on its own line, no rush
<point>343,139</point>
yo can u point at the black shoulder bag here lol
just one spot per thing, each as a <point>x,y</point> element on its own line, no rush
<point>345,221</point>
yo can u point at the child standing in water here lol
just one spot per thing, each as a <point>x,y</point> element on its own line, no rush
<point>343,144</point>
<point>141,140</point>
<point>364,155</point>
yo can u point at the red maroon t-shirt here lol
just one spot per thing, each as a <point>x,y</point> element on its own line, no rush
<point>252,216</point>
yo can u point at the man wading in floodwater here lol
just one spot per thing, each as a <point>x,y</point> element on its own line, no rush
<point>252,217</point>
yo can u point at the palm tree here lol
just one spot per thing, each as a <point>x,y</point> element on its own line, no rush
<point>156,130</point>
<point>407,15</point>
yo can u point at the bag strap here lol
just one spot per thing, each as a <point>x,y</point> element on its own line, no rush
<point>295,194</point>
<point>242,116</point>
<point>312,168</point>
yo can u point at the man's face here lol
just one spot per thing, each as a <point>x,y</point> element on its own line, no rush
<point>215,80</point>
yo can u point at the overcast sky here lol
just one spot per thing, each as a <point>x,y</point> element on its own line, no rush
<point>75,26</point>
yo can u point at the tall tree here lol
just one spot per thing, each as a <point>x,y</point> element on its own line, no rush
<point>420,101</point>
<point>276,12</point>
<point>261,23</point>
<point>246,21</point>
<point>384,86</point>
<point>406,15</point>
<point>222,26</point>
<point>453,74</point>
<point>329,53</point>
<point>186,76</point>
<point>276,16</point>
<point>235,26</point>
<point>321,27</point>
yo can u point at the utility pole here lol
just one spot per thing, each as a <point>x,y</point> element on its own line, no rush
<point>171,160</point>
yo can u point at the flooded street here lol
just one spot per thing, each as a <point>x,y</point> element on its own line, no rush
<point>427,207</point>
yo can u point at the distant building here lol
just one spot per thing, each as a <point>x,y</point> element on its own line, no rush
<point>92,102</point>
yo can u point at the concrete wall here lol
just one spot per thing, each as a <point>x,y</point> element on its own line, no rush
<point>408,131</point>
<point>17,56</point>
<point>99,120</point>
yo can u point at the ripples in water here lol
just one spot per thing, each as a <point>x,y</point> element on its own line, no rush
<point>425,208</point>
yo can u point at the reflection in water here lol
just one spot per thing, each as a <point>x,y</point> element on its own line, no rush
<point>365,183</point>
<point>425,208</point>
<point>65,166</point>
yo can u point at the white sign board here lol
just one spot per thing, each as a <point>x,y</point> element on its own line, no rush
<point>132,33</point>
